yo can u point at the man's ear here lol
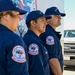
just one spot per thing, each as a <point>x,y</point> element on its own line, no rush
<point>48,20</point>
<point>5,16</point>
<point>32,23</point>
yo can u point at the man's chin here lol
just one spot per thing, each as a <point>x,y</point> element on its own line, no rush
<point>43,31</point>
<point>16,29</point>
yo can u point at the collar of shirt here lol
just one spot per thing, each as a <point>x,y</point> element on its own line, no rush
<point>33,34</point>
<point>2,27</point>
<point>57,33</point>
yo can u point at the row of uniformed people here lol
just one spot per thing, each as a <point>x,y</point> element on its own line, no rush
<point>43,42</point>
<point>28,57</point>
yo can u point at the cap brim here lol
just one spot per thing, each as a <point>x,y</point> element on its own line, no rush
<point>48,17</point>
<point>21,11</point>
<point>62,14</point>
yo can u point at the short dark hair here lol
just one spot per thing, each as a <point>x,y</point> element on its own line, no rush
<point>1,14</point>
<point>29,24</point>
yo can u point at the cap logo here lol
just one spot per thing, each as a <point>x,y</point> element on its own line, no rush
<point>56,9</point>
<point>15,3</point>
<point>16,6</point>
<point>40,12</point>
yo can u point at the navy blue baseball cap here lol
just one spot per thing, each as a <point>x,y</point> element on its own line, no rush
<point>8,5</point>
<point>35,15</point>
<point>54,11</point>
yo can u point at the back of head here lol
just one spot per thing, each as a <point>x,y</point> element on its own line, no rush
<point>54,11</point>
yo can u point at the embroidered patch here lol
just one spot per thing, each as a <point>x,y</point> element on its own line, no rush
<point>33,49</point>
<point>50,40</point>
<point>19,54</point>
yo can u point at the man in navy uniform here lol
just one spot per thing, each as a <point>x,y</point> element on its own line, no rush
<point>52,40</point>
<point>38,56</point>
<point>13,57</point>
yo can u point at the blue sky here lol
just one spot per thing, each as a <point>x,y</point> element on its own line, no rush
<point>69,7</point>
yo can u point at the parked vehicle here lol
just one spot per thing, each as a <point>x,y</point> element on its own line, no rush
<point>69,47</point>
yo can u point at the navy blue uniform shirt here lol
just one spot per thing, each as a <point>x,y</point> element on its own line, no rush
<point>38,56</point>
<point>51,39</point>
<point>13,60</point>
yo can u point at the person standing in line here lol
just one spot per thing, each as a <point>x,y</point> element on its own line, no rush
<point>38,56</point>
<point>51,39</point>
<point>13,55</point>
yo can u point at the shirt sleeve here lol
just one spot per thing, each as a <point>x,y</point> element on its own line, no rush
<point>16,57</point>
<point>52,51</point>
<point>51,45</point>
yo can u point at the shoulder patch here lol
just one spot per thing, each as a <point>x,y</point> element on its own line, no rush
<point>33,49</point>
<point>50,40</point>
<point>18,53</point>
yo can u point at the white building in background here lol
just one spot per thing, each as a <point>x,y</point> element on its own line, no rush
<point>42,5</point>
